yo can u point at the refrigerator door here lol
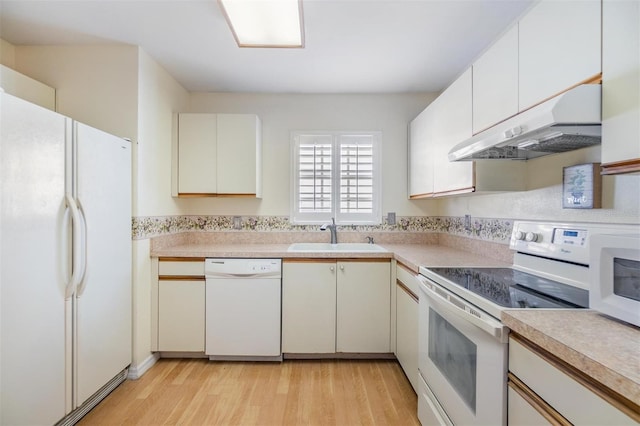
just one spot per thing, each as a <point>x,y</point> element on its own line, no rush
<point>34,264</point>
<point>103,299</point>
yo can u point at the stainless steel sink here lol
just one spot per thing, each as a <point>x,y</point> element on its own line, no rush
<point>340,247</point>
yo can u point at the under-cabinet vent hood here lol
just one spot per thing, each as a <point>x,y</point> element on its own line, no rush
<point>566,122</point>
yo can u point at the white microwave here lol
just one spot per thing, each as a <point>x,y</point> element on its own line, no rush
<point>615,280</point>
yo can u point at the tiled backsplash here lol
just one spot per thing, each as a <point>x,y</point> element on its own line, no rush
<point>495,230</point>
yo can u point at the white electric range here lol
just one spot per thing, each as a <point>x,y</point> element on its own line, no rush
<point>463,346</point>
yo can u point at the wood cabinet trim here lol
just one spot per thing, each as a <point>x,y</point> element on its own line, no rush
<point>456,191</point>
<point>181,278</point>
<point>407,290</point>
<point>336,259</point>
<point>420,196</point>
<point>181,259</point>
<point>405,267</point>
<point>537,403</point>
<point>615,399</point>
<point>621,167</point>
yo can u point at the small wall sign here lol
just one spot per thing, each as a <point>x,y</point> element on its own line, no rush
<point>582,186</point>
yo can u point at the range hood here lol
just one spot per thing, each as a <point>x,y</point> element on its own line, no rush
<point>571,120</point>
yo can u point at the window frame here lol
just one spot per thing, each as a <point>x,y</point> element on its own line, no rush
<point>342,218</point>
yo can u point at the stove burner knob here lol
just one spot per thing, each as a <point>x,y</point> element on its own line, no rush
<point>531,237</point>
<point>520,235</point>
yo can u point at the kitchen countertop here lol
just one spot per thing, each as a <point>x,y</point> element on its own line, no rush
<point>604,349</point>
<point>411,255</point>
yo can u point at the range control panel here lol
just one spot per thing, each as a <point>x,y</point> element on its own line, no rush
<point>561,241</point>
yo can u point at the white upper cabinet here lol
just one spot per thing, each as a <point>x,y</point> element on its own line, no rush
<point>495,82</point>
<point>239,154</point>
<point>559,47</point>
<point>621,86</point>
<point>446,122</point>
<point>452,125</point>
<point>420,155</point>
<point>218,154</point>
<point>197,154</point>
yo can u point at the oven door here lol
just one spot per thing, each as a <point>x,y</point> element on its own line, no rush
<point>462,358</point>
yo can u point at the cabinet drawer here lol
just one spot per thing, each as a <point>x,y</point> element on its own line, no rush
<point>408,279</point>
<point>181,267</point>
<point>571,399</point>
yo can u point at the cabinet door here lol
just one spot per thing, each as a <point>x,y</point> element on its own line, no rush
<point>453,125</point>
<point>559,47</point>
<point>522,413</point>
<point>495,82</point>
<point>197,154</point>
<point>308,307</point>
<point>621,82</point>
<point>407,334</point>
<point>238,155</point>
<point>181,315</point>
<point>420,155</point>
<point>363,307</point>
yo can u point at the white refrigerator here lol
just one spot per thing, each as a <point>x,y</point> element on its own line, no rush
<point>65,262</point>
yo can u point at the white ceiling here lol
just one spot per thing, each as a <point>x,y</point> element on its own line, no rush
<point>352,46</point>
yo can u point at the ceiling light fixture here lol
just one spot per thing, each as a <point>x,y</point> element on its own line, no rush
<point>265,23</point>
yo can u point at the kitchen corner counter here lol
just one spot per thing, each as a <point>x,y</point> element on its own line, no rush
<point>604,349</point>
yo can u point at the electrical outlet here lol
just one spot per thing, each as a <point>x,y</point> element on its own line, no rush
<point>391,218</point>
<point>467,222</point>
<point>237,222</point>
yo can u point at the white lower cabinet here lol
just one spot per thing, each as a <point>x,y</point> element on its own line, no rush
<point>544,391</point>
<point>181,320</point>
<point>178,305</point>
<point>336,306</point>
<point>407,324</point>
<point>308,307</point>
<point>363,314</point>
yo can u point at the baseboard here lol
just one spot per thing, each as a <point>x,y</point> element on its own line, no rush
<point>136,371</point>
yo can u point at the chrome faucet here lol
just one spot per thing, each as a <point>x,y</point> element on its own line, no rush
<point>332,228</point>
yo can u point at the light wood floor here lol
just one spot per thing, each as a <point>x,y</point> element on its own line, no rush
<point>309,392</point>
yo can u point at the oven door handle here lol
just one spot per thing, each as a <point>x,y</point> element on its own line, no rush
<point>489,325</point>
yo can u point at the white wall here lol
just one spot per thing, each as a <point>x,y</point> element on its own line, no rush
<point>159,96</point>
<point>543,198</point>
<point>282,113</point>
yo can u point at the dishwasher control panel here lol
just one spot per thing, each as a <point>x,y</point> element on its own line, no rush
<point>226,267</point>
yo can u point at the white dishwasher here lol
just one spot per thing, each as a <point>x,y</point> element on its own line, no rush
<point>243,309</point>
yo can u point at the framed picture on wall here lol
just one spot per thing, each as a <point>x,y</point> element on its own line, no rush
<point>582,186</point>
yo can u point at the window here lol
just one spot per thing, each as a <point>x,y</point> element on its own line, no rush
<point>336,174</point>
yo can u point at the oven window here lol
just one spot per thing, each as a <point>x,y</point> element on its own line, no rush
<point>455,356</point>
<point>626,278</point>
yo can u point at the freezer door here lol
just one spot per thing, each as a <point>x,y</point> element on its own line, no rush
<point>34,264</point>
<point>103,300</point>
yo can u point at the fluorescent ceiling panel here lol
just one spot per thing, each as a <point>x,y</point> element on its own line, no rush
<point>265,23</point>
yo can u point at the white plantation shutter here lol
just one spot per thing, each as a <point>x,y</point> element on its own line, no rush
<point>336,174</point>
<point>315,178</point>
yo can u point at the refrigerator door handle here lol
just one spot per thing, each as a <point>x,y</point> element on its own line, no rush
<point>78,242</point>
<point>82,284</point>
<point>67,273</point>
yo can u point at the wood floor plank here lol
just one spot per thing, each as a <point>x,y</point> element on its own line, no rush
<point>294,392</point>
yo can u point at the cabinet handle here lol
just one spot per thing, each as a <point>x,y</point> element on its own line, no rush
<point>342,267</point>
<point>332,269</point>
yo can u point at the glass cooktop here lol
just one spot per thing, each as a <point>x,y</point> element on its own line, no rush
<point>511,288</point>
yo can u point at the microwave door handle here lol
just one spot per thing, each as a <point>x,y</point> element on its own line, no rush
<point>490,326</point>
